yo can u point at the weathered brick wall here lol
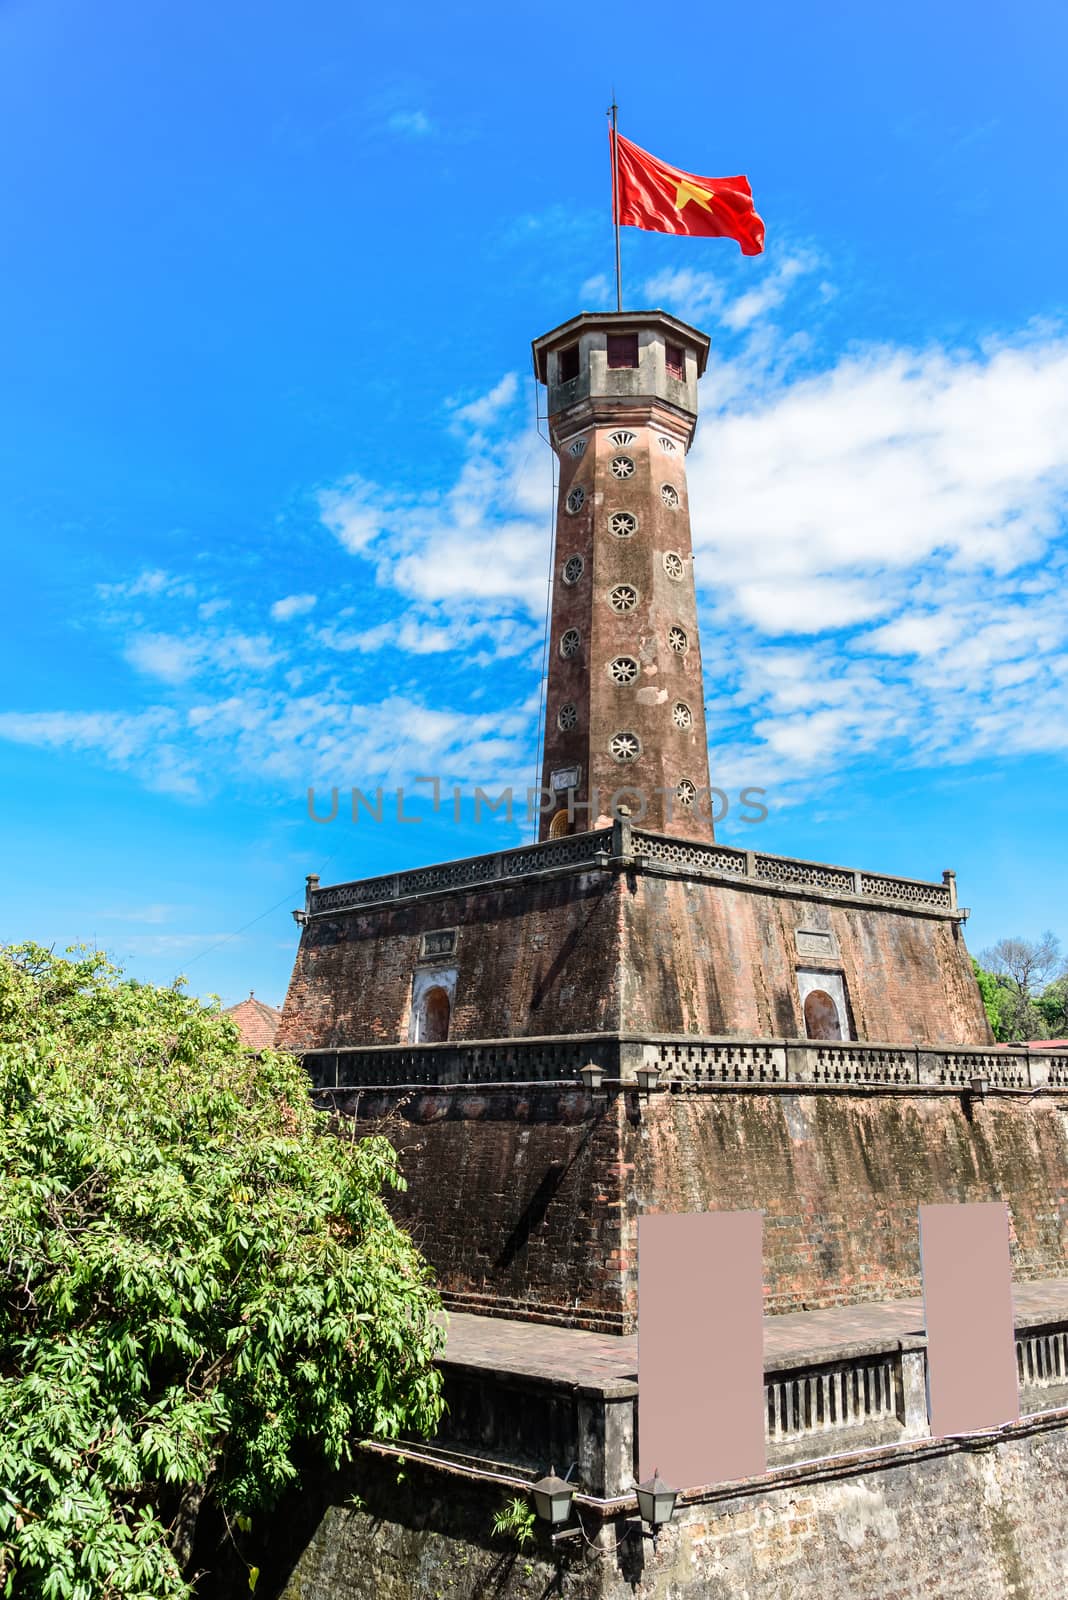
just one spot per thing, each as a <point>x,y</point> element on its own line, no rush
<point>526,1200</point>
<point>593,952</point>
<point>839,1178</point>
<point>531,958</point>
<point>977,1524</point>
<point>712,958</point>
<point>517,1197</point>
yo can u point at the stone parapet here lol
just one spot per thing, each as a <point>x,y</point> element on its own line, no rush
<point>626,848</point>
<point>690,1063</point>
<point>818,1404</point>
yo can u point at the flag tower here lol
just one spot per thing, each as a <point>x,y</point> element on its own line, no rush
<point>624,720</point>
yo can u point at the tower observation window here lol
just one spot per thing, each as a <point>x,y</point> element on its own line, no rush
<point>622,349</point>
<point>569,363</point>
<point>675,360</point>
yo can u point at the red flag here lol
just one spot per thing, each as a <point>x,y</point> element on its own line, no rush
<point>661,198</point>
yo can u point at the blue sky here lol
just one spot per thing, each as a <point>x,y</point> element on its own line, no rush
<point>274,506</point>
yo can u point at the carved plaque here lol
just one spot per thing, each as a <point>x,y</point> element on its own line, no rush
<point>442,942</point>
<point>565,778</point>
<point>813,942</point>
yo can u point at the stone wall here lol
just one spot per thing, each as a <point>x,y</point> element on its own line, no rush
<point>978,1522</point>
<point>711,958</point>
<point>531,958</point>
<point>526,1198</point>
<point>640,943</point>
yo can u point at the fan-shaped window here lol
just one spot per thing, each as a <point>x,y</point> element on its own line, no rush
<point>558,827</point>
<point>821,1016</point>
<point>668,446</point>
<point>621,438</point>
<point>434,1028</point>
<point>625,747</point>
<point>577,448</point>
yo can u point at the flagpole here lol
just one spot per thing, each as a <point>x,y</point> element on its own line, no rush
<point>615,198</point>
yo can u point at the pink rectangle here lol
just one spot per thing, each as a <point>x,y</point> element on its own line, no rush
<point>701,1347</point>
<point>967,1296</point>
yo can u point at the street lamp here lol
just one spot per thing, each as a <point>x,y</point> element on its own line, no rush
<point>656,1500</point>
<point>592,1076</point>
<point>552,1498</point>
<point>648,1079</point>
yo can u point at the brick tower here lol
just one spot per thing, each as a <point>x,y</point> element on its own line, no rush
<point>624,721</point>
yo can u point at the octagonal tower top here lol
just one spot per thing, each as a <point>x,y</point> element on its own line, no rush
<point>604,362</point>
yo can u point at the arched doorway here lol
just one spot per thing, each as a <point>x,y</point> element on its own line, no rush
<point>558,826</point>
<point>435,1019</point>
<point>821,1016</point>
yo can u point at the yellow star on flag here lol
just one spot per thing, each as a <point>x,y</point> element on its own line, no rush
<point>688,191</point>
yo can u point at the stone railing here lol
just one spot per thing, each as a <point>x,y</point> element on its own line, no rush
<point>816,1407</point>
<point>877,1397</point>
<point>692,1063</point>
<point>625,847</point>
<point>871,1398</point>
<point>1042,1361</point>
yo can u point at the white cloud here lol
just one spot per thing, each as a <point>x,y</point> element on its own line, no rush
<point>483,541</point>
<point>175,659</point>
<point>151,914</point>
<point>596,292</point>
<point>356,512</point>
<point>415,124</point>
<point>152,584</point>
<point>697,296</point>
<point>487,409</point>
<point>293,605</point>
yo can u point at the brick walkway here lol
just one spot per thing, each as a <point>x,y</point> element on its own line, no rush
<point>603,1361</point>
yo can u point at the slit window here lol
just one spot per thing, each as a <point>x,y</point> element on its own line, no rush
<point>675,360</point>
<point>568,363</point>
<point>622,350</point>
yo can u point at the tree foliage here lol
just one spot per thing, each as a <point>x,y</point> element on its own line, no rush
<point>196,1283</point>
<point>1023,997</point>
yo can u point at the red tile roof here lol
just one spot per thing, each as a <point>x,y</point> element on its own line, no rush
<point>256,1023</point>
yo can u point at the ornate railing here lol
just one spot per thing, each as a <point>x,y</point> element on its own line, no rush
<point>691,1063</point>
<point>623,846</point>
<point>843,1395</point>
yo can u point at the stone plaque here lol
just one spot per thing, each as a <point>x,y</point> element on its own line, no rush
<point>812,942</point>
<point>565,778</point>
<point>440,943</point>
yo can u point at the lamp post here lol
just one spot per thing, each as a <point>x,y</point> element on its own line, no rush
<point>656,1501</point>
<point>592,1076</point>
<point>648,1079</point>
<point>552,1498</point>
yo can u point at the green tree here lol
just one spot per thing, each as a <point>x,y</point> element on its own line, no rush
<point>1022,968</point>
<point>1053,1006</point>
<point>990,991</point>
<point>196,1285</point>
